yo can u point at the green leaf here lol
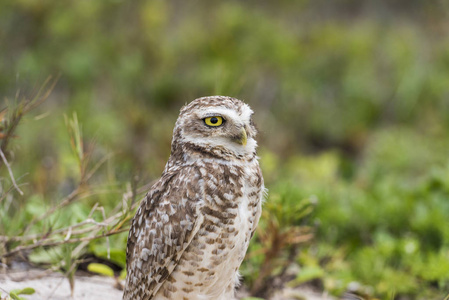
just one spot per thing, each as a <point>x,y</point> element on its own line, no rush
<point>14,296</point>
<point>100,269</point>
<point>27,291</point>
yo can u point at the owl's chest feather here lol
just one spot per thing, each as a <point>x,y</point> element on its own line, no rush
<point>231,207</point>
<point>232,197</point>
<point>232,210</point>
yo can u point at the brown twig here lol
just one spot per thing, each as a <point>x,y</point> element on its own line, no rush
<point>57,243</point>
<point>62,231</point>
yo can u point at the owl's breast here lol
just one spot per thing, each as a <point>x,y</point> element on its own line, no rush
<point>249,209</point>
<point>231,209</point>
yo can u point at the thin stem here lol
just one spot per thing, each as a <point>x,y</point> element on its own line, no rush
<point>57,243</point>
<point>10,172</point>
<point>75,193</point>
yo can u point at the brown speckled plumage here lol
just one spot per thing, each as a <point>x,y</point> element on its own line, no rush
<point>190,234</point>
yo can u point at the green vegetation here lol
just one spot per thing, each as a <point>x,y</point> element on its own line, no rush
<point>351,99</point>
<point>14,294</point>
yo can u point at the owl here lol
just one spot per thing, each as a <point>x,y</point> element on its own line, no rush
<point>191,232</point>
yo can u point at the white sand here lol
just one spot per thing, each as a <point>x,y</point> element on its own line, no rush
<point>56,287</point>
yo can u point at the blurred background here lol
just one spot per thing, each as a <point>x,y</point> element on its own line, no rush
<point>351,100</point>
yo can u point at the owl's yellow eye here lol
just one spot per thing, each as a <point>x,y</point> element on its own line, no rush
<point>213,121</point>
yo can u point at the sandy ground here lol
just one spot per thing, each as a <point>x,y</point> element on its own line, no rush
<point>55,287</point>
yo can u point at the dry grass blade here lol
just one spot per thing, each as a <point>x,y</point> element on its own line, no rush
<point>11,175</point>
<point>10,117</point>
<point>77,145</point>
<point>57,243</point>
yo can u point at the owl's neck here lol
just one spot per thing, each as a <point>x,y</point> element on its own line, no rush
<point>188,152</point>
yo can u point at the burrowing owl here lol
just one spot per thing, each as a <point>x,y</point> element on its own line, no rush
<point>190,233</point>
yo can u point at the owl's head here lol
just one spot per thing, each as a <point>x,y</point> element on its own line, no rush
<point>216,126</point>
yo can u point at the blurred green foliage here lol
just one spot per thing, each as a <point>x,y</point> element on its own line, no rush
<point>351,99</point>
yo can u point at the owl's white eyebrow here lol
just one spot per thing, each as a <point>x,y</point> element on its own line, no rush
<point>218,111</point>
<point>211,115</point>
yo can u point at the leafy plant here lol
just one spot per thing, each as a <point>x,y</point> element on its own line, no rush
<point>282,229</point>
<point>15,294</point>
<point>59,236</point>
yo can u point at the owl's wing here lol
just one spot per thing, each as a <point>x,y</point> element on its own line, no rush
<point>161,230</point>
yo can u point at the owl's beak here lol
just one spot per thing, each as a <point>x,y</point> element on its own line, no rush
<point>242,138</point>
